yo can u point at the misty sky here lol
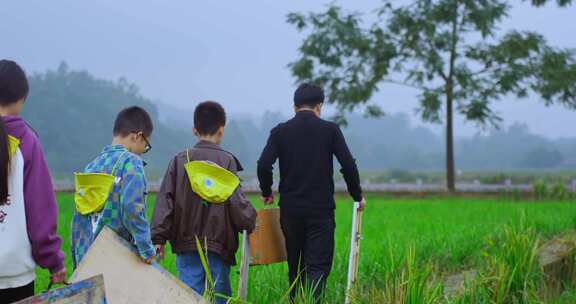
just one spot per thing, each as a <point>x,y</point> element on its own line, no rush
<point>181,52</point>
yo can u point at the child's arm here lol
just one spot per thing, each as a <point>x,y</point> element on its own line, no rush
<point>164,209</point>
<point>242,213</point>
<point>133,204</point>
<point>41,209</point>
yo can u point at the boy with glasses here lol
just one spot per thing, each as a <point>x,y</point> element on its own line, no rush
<point>125,209</point>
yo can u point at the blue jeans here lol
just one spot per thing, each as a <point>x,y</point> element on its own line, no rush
<point>192,273</point>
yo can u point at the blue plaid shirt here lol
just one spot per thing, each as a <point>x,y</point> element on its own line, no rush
<point>125,210</point>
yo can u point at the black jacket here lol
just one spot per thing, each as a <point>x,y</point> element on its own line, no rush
<point>305,147</point>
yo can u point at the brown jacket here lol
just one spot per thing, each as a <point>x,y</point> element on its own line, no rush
<point>180,216</point>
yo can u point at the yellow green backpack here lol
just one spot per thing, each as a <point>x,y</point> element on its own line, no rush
<point>93,189</point>
<point>211,182</point>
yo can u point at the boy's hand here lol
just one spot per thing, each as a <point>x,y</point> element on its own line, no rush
<point>148,260</point>
<point>268,200</point>
<point>59,277</point>
<point>159,252</point>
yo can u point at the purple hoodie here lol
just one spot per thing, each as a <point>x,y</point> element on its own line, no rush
<point>39,198</point>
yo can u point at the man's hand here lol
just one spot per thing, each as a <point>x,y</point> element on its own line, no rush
<point>268,200</point>
<point>362,204</point>
<point>159,252</point>
<point>59,277</point>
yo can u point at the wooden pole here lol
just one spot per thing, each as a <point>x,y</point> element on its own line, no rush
<point>354,250</point>
<point>244,267</point>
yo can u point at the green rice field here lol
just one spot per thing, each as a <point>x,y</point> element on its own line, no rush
<point>408,244</point>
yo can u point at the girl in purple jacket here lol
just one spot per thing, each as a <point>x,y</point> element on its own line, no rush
<point>28,211</point>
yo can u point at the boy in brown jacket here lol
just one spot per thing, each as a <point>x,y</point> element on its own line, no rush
<point>181,216</point>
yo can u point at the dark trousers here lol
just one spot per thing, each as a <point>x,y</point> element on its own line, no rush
<point>16,294</point>
<point>310,248</point>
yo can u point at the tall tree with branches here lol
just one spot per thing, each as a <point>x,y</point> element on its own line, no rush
<point>449,50</point>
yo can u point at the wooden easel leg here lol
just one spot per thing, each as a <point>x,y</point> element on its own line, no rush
<point>354,250</point>
<point>244,267</point>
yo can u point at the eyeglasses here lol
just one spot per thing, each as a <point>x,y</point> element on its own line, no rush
<point>148,146</point>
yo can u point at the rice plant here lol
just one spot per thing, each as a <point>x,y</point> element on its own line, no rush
<point>510,273</point>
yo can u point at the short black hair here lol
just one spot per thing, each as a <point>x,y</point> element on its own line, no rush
<point>133,119</point>
<point>308,95</point>
<point>209,116</point>
<point>13,83</point>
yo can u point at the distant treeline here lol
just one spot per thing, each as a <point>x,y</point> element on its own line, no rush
<point>392,142</point>
<point>73,113</point>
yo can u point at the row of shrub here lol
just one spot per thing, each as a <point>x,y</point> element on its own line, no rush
<point>558,190</point>
<point>486,178</point>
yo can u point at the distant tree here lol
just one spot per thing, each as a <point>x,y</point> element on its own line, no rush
<point>542,158</point>
<point>500,149</point>
<point>235,142</point>
<point>73,113</point>
<point>449,50</point>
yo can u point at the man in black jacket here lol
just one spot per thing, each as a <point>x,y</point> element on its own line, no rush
<point>305,147</point>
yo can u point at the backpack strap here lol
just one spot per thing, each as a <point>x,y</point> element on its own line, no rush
<point>238,164</point>
<point>117,163</point>
<point>96,219</point>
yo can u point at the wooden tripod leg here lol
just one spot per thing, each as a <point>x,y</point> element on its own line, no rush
<point>354,250</point>
<point>244,267</point>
